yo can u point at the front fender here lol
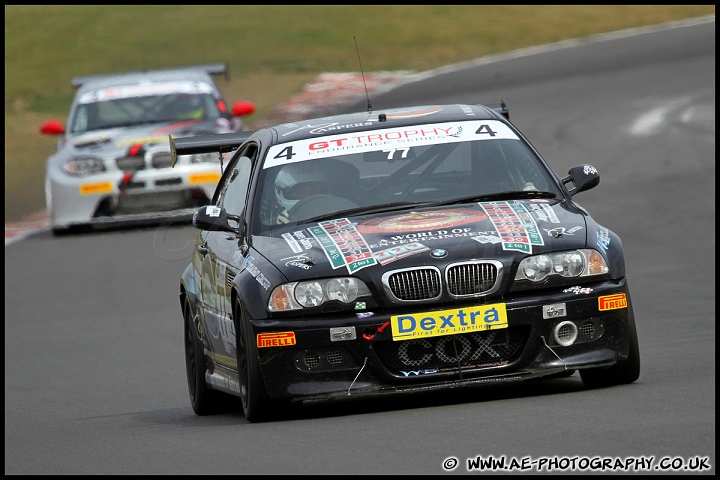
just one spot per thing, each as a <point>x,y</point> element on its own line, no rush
<point>254,282</point>
<point>188,286</point>
<point>609,244</point>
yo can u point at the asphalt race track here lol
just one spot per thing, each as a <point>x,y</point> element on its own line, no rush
<point>94,366</point>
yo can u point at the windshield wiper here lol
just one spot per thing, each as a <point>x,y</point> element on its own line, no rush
<point>388,207</point>
<point>509,195</point>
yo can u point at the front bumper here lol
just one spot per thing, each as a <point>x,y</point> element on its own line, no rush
<point>354,356</point>
<point>116,196</point>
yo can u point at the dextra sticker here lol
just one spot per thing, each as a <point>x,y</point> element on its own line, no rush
<point>96,188</point>
<point>387,139</point>
<point>279,339</point>
<point>612,302</point>
<point>449,322</point>
<point>343,245</point>
<point>514,224</point>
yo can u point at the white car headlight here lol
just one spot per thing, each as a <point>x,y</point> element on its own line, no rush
<point>83,166</point>
<point>313,293</point>
<point>535,268</point>
<point>309,294</point>
<point>573,263</point>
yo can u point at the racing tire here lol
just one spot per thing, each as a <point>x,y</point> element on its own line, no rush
<point>624,372</point>
<point>204,400</point>
<point>256,404</point>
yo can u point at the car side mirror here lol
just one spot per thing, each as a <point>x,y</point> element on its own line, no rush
<point>243,108</point>
<point>582,177</point>
<point>215,219</point>
<point>52,127</point>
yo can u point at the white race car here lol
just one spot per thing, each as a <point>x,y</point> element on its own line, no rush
<point>112,162</point>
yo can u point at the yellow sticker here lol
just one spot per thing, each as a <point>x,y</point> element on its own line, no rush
<point>449,322</point>
<point>612,302</point>
<point>196,178</point>
<point>96,188</point>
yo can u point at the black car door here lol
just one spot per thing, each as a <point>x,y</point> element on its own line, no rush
<point>219,266</point>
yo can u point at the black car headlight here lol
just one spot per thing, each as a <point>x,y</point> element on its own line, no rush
<point>571,264</point>
<point>83,166</point>
<point>313,293</point>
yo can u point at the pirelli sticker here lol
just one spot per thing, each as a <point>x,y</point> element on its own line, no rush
<point>612,302</point>
<point>96,188</point>
<point>279,339</point>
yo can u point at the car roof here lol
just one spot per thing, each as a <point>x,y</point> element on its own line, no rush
<point>198,73</point>
<point>344,123</point>
<point>395,117</point>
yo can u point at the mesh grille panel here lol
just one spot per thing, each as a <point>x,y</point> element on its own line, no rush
<point>462,279</point>
<point>421,284</point>
<point>471,278</point>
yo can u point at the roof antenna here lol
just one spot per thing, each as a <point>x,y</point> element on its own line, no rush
<point>369,107</point>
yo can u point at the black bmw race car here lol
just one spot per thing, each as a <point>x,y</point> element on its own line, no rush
<point>397,251</point>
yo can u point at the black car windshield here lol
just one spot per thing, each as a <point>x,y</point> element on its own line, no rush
<point>139,110</point>
<point>460,161</point>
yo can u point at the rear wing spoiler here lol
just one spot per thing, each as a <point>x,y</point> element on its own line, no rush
<point>210,68</point>
<point>221,143</point>
<point>500,108</point>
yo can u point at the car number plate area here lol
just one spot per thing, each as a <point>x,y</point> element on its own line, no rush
<point>449,322</point>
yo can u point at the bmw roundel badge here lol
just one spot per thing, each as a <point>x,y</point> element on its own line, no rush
<point>438,252</point>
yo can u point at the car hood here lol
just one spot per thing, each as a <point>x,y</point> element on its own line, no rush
<point>122,138</point>
<point>506,231</point>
